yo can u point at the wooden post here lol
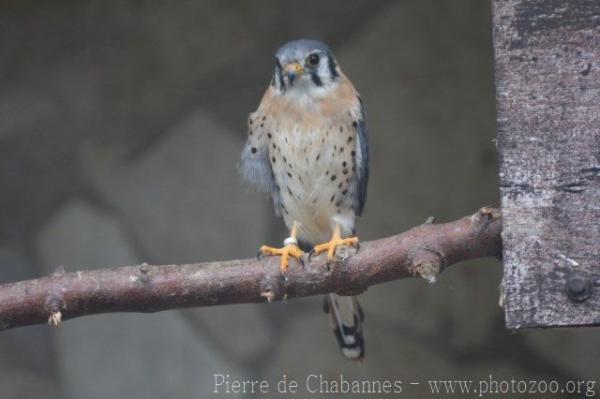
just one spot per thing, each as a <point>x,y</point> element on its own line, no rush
<point>547,56</point>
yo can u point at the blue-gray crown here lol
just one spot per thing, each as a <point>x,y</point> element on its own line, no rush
<point>298,49</point>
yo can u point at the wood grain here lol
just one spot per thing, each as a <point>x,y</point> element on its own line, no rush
<point>547,58</point>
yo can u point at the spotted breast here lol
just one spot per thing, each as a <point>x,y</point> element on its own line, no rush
<point>315,154</point>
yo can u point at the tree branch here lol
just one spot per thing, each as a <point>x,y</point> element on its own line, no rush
<point>421,251</point>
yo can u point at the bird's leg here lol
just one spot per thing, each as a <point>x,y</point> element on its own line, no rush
<point>336,241</point>
<point>290,248</point>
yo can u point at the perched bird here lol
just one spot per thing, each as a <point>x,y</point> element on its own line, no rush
<point>307,147</point>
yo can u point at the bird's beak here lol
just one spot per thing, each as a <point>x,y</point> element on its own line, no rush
<point>292,70</point>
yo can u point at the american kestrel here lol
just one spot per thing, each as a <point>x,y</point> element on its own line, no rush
<point>307,147</point>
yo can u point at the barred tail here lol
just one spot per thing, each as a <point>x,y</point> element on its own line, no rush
<point>346,318</point>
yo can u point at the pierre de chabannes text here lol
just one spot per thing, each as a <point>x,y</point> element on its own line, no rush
<point>313,383</point>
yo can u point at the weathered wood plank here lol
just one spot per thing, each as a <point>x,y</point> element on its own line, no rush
<point>548,96</point>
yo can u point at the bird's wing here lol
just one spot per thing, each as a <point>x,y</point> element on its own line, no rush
<point>362,159</point>
<point>255,165</point>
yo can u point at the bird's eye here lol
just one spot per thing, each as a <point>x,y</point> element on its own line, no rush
<point>313,59</point>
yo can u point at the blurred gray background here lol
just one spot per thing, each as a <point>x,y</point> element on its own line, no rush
<point>121,125</point>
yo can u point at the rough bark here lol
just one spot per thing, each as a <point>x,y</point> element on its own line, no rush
<point>424,250</point>
<point>548,97</point>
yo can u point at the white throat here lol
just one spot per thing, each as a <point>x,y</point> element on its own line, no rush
<point>306,94</point>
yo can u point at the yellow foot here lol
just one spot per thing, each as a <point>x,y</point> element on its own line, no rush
<point>335,242</point>
<point>290,250</point>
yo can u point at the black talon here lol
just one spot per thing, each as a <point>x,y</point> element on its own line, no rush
<point>301,260</point>
<point>331,265</point>
<point>259,255</point>
<point>357,247</point>
<point>310,254</point>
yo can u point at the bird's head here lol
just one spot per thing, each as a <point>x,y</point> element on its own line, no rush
<point>305,68</point>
